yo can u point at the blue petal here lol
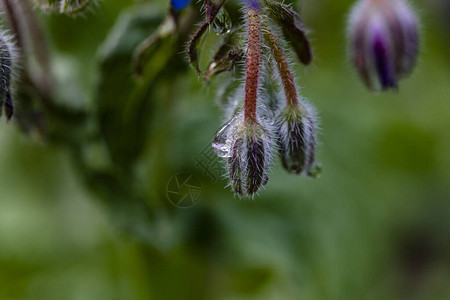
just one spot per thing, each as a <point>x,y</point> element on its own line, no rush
<point>383,63</point>
<point>179,4</point>
<point>253,4</point>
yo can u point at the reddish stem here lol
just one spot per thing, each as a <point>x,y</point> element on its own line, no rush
<point>252,64</point>
<point>287,78</point>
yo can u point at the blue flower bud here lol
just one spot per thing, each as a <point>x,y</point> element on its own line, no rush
<point>297,138</point>
<point>253,4</point>
<point>384,41</point>
<point>179,5</point>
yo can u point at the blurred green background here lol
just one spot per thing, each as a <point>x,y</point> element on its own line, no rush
<point>376,225</point>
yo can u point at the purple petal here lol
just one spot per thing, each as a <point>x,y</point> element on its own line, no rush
<point>383,63</point>
<point>253,4</point>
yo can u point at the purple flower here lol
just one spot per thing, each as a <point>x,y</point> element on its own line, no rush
<point>253,4</point>
<point>383,41</point>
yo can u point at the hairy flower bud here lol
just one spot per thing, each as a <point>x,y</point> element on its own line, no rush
<point>249,161</point>
<point>6,75</point>
<point>383,41</point>
<point>247,149</point>
<point>297,138</point>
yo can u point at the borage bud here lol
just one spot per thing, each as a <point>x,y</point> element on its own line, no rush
<point>247,148</point>
<point>7,55</point>
<point>297,138</point>
<point>383,41</point>
<point>249,161</point>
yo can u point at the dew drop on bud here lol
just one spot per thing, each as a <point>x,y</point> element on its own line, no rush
<point>220,145</point>
<point>222,23</point>
<point>224,138</point>
<point>250,158</point>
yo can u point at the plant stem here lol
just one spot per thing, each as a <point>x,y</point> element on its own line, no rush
<point>287,78</point>
<point>252,64</point>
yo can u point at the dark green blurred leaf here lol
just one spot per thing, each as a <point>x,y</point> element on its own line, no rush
<point>123,101</point>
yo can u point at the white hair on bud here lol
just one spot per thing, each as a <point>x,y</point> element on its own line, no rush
<point>245,178</point>
<point>297,137</point>
<point>9,66</point>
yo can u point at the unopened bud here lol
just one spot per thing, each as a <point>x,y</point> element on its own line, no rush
<point>249,161</point>
<point>6,75</point>
<point>247,148</point>
<point>383,41</point>
<point>297,138</point>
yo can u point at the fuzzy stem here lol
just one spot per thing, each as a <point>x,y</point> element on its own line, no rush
<point>252,64</point>
<point>287,78</point>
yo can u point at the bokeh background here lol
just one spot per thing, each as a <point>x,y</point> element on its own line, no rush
<point>375,225</point>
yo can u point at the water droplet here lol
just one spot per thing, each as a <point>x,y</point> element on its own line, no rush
<point>220,145</point>
<point>223,140</point>
<point>222,23</point>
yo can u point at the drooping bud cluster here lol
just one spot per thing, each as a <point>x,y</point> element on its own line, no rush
<point>384,41</point>
<point>245,141</point>
<point>259,119</point>
<point>68,7</point>
<point>7,68</point>
<point>384,44</point>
